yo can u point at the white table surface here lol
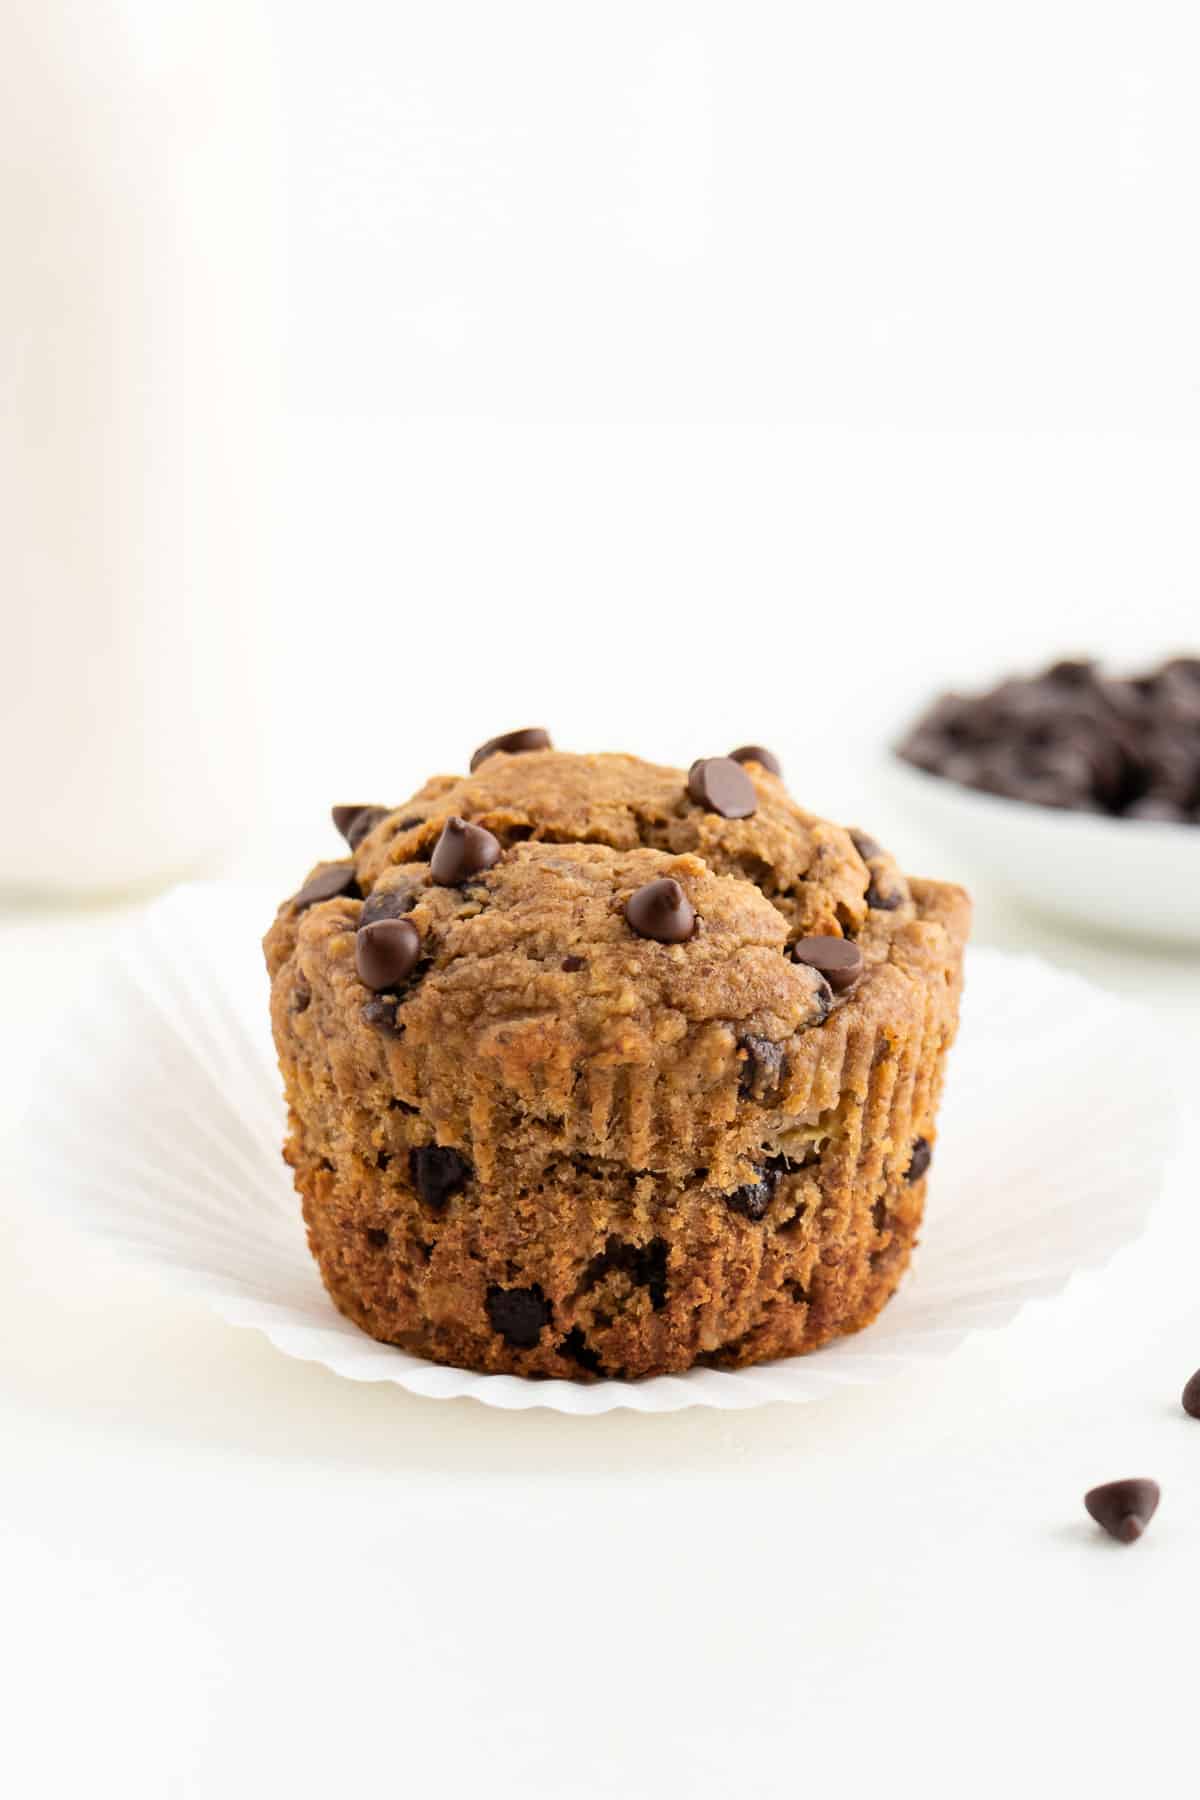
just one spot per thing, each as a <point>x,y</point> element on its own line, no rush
<point>228,1573</point>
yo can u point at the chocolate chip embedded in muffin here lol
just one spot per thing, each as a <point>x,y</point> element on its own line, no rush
<point>662,911</point>
<point>756,753</point>
<point>381,1013</point>
<point>837,959</point>
<point>354,822</point>
<point>438,1172</point>
<point>763,1067</point>
<point>754,1198</point>
<point>883,899</point>
<point>1124,1508</point>
<point>462,851</point>
<point>514,743</point>
<point>721,785</point>
<point>922,1156</point>
<point>386,954</point>
<point>519,1314</point>
<point>331,882</point>
<point>388,903</point>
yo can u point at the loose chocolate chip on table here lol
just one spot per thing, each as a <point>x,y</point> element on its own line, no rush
<point>437,1172</point>
<point>922,1156</point>
<point>381,1012</point>
<point>354,822</point>
<point>514,742</point>
<point>722,786</point>
<point>573,964</point>
<point>1124,1508</point>
<point>1191,1396</point>
<point>766,759</point>
<point>518,1314</point>
<point>662,911</point>
<point>865,844</point>
<point>462,851</point>
<point>327,884</point>
<point>837,959</point>
<point>386,953</point>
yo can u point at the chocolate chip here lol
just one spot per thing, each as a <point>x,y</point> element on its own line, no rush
<point>518,1314</point>
<point>1123,1508</point>
<point>381,1012</point>
<point>866,846</point>
<point>437,1172</point>
<point>328,883</point>
<point>753,1200</point>
<point>722,786</point>
<point>376,1238</point>
<point>573,964</point>
<point>514,743</point>
<point>662,911</point>
<point>922,1156</point>
<point>883,899</point>
<point>755,753</point>
<point>462,851</point>
<point>301,997</point>
<point>879,1214</point>
<point>388,903</point>
<point>837,959</point>
<point>763,1066</point>
<point>1073,738</point>
<point>354,822</point>
<point>385,954</point>
<point>1191,1396</point>
<point>576,1349</point>
<point>644,1264</point>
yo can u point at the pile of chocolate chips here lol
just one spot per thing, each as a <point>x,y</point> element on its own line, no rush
<point>1075,738</point>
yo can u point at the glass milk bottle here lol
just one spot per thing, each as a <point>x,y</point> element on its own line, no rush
<point>136,211</point>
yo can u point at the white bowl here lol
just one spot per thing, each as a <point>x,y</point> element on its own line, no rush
<point>1133,876</point>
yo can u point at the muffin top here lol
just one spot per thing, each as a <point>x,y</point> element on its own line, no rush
<point>810,870</point>
<point>551,926</point>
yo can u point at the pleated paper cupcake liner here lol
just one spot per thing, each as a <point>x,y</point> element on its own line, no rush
<point>158,1121</point>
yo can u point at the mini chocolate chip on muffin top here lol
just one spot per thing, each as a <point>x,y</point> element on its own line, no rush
<point>598,1068</point>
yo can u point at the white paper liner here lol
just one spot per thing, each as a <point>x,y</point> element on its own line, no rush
<point>158,1121</point>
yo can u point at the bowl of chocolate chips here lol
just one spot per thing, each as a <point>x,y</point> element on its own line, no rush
<point>1074,789</point>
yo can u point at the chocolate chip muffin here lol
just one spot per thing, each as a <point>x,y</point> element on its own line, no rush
<point>597,1068</point>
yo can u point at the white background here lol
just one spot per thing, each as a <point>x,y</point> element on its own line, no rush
<point>670,375</point>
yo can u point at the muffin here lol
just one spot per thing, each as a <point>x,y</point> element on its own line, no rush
<point>597,1068</point>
